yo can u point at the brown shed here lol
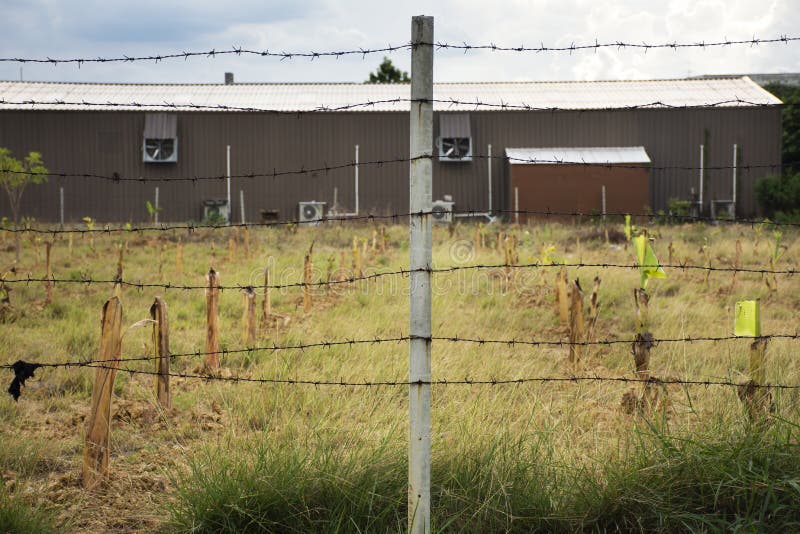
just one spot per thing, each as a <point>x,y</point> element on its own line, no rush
<point>579,179</point>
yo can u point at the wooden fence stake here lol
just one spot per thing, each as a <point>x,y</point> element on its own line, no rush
<point>98,425</point>
<point>249,318</point>
<point>212,326</point>
<point>594,308</point>
<point>757,400</point>
<point>231,249</point>
<point>671,250</point>
<point>561,296</point>
<point>246,242</point>
<point>576,324</point>
<point>357,272</point>
<point>383,240</point>
<point>374,240</point>
<point>158,312</point>
<point>69,245</point>
<point>477,240</point>
<point>48,285</point>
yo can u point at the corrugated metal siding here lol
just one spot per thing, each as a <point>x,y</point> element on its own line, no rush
<point>108,142</point>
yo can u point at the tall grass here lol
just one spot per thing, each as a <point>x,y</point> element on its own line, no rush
<point>722,480</point>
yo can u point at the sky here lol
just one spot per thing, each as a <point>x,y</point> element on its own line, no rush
<point>94,28</point>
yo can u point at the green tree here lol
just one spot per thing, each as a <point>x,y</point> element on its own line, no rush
<point>15,175</point>
<point>791,123</point>
<point>388,73</point>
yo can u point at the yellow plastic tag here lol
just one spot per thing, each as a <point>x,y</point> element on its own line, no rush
<point>747,322</point>
<point>646,259</point>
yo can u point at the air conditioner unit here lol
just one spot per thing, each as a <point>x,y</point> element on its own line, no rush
<point>311,212</point>
<point>216,210</point>
<point>442,211</point>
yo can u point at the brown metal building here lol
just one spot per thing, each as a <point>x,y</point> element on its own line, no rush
<point>111,129</point>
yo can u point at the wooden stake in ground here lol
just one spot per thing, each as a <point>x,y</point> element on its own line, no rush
<point>249,318</point>
<point>48,285</point>
<point>576,324</point>
<point>307,270</point>
<point>341,276</point>
<point>357,272</point>
<point>231,249</point>
<point>329,270</point>
<point>212,326</point>
<point>561,296</point>
<point>98,425</point>
<point>594,308</point>
<point>158,312</point>
<point>266,305</point>
<point>179,258</point>
<point>671,250</point>
<point>737,263</point>
<point>161,261</point>
<point>246,238</point>
<point>374,240</point>
<point>644,340</point>
<point>118,278</point>
<point>383,241</point>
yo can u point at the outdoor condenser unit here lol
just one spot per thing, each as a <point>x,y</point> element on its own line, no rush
<point>216,209</point>
<point>442,211</point>
<point>311,212</point>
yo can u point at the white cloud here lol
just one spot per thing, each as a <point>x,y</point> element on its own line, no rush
<point>88,28</point>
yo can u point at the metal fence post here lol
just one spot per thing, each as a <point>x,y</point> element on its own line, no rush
<point>421,127</point>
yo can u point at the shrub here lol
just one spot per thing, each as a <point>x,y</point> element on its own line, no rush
<point>779,196</point>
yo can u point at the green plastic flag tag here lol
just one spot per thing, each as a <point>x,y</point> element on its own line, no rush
<point>646,259</point>
<point>747,322</point>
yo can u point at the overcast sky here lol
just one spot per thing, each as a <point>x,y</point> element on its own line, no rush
<point>92,28</point>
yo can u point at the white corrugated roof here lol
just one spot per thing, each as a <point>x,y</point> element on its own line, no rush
<point>601,155</point>
<point>308,97</point>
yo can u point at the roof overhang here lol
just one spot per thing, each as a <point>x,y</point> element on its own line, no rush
<point>577,155</point>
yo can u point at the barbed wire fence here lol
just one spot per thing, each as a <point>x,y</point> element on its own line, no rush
<point>23,369</point>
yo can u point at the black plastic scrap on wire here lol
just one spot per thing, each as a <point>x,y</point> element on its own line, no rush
<point>22,371</point>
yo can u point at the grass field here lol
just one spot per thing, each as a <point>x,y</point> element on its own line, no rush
<point>560,456</point>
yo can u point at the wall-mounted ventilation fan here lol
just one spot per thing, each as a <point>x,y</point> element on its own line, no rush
<point>455,149</point>
<point>161,150</point>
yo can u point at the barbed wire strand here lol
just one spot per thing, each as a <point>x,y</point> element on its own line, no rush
<point>363,52</point>
<point>325,168</point>
<point>449,339</point>
<point>439,382</point>
<point>400,272</point>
